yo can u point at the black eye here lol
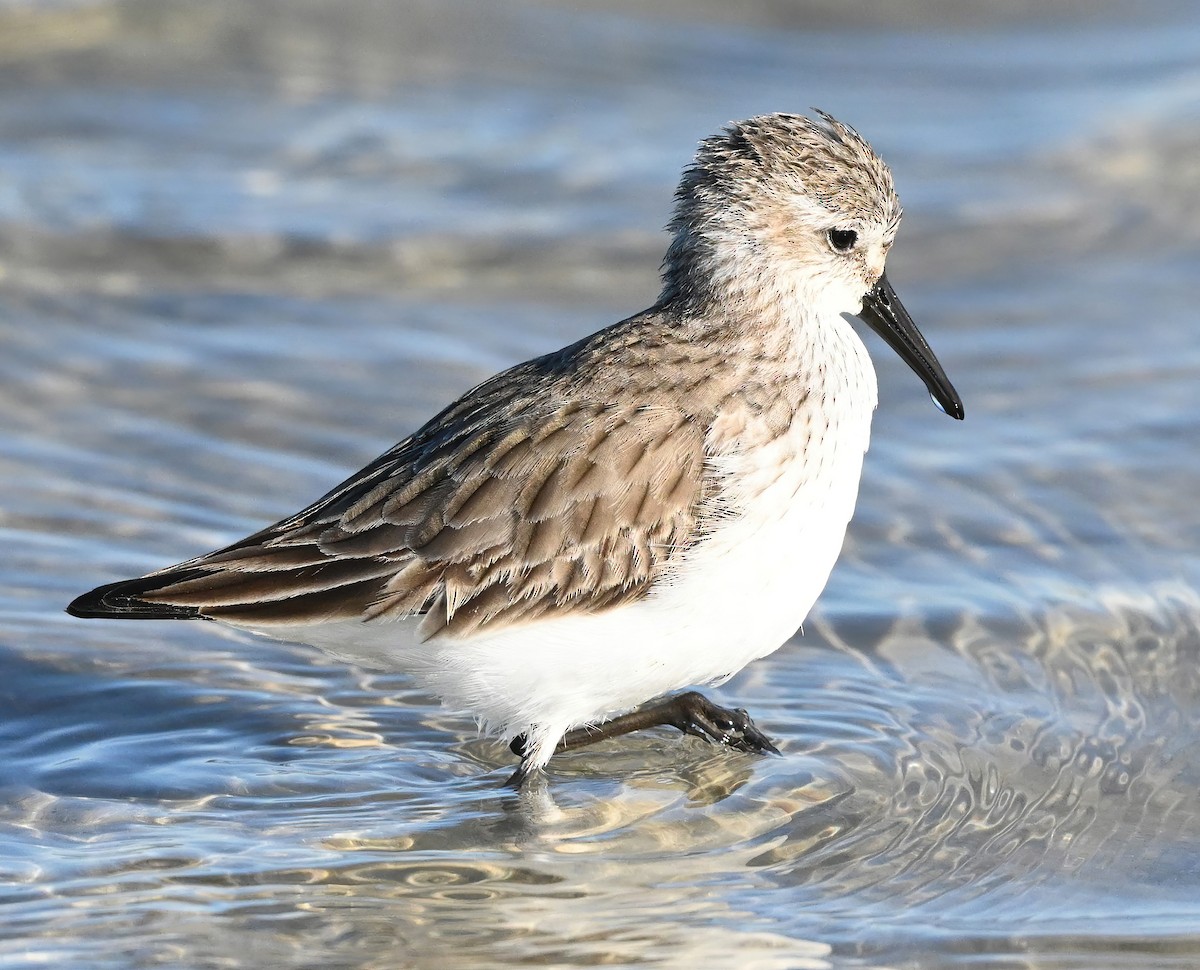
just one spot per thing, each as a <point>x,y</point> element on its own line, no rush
<point>842,240</point>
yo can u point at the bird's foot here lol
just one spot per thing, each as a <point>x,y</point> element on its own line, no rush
<point>690,712</point>
<point>695,714</point>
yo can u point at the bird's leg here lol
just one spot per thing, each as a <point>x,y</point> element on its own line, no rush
<point>690,712</point>
<point>518,778</point>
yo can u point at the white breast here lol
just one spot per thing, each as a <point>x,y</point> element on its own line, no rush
<point>741,593</point>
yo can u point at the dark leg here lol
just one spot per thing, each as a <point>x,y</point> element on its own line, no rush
<point>692,713</point>
<point>518,778</point>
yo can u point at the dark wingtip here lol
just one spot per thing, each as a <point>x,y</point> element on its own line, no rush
<point>120,601</point>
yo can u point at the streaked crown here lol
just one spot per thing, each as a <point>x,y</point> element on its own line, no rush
<point>766,181</point>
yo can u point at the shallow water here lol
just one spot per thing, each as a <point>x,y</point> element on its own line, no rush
<point>245,247</point>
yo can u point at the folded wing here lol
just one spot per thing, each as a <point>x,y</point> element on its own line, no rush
<point>507,506</point>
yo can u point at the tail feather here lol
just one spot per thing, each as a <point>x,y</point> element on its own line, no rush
<point>123,600</point>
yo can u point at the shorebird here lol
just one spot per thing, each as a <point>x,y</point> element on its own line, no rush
<point>648,509</point>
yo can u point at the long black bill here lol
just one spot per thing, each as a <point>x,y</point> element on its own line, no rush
<point>885,314</point>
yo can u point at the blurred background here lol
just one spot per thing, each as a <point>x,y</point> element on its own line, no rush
<point>246,246</point>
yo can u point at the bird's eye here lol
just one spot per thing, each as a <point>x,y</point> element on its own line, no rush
<point>842,240</point>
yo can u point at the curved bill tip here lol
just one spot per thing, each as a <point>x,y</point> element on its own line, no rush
<point>885,314</point>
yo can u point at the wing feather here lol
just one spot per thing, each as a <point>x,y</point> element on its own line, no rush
<point>510,505</point>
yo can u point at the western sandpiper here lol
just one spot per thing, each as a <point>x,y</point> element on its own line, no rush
<point>647,509</point>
